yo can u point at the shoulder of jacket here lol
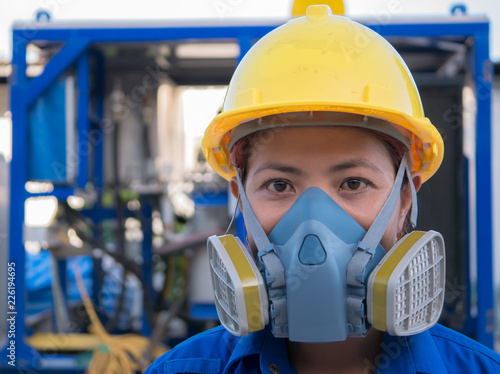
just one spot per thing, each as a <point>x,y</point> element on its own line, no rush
<point>450,341</point>
<point>204,353</point>
<point>215,342</point>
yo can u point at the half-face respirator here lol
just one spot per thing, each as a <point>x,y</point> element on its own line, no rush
<point>320,277</point>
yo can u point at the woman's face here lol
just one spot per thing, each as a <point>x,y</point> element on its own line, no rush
<point>351,165</point>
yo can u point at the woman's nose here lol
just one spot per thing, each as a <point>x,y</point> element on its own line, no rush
<point>325,186</point>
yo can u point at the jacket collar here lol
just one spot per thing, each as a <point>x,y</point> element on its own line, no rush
<point>416,354</point>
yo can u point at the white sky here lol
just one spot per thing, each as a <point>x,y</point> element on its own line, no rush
<point>12,10</point>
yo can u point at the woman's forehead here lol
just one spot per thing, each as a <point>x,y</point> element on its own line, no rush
<point>308,143</point>
<point>315,135</point>
<point>279,122</point>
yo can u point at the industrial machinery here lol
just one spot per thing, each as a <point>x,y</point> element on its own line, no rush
<point>99,140</point>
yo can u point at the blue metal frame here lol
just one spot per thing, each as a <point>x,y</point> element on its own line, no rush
<point>76,51</point>
<point>83,120</point>
<point>483,76</point>
<point>98,143</point>
<point>60,62</point>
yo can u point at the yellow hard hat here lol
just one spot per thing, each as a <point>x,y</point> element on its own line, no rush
<point>323,62</point>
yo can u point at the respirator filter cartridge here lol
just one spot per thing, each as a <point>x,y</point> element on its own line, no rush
<point>405,292</point>
<point>239,289</point>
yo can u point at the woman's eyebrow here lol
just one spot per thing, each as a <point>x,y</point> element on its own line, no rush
<point>354,163</point>
<point>278,166</point>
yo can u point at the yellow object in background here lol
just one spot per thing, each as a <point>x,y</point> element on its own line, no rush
<point>110,353</point>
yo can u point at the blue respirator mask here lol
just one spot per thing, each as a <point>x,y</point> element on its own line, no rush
<point>320,277</point>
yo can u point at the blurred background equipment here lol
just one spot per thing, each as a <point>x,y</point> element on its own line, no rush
<point>110,195</point>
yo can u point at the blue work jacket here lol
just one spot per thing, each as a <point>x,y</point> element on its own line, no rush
<point>437,350</point>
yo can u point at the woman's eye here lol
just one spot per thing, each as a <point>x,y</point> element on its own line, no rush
<point>278,186</point>
<point>353,185</point>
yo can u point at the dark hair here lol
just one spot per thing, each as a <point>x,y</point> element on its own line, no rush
<point>242,152</point>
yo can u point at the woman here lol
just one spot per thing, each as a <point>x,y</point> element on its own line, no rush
<point>324,141</point>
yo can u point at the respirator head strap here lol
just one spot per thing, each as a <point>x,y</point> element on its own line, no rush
<point>272,269</point>
<point>258,234</point>
<point>368,253</point>
<point>356,272</point>
<point>274,276</point>
<point>377,229</point>
<point>414,205</point>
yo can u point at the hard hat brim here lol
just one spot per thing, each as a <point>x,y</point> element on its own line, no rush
<point>216,139</point>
